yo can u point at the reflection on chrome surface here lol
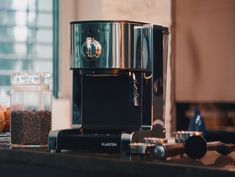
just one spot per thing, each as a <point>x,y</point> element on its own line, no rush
<point>118,45</point>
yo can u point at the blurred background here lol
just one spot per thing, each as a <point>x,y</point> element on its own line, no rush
<point>34,37</point>
<point>26,39</point>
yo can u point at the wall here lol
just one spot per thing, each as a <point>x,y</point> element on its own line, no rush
<point>61,108</point>
<point>204,50</point>
<point>152,11</point>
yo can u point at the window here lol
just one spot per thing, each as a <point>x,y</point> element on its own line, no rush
<point>28,39</point>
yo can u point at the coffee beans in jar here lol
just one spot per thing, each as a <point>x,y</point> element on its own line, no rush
<point>30,109</point>
<point>30,127</point>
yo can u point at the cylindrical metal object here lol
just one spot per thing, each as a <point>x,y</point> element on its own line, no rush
<point>141,148</point>
<point>182,136</point>
<point>104,44</point>
<point>168,150</point>
<point>154,140</point>
<point>112,45</point>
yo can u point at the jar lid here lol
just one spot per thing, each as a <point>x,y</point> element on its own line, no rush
<point>24,78</point>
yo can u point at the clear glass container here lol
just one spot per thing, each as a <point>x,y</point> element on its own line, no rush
<point>30,109</point>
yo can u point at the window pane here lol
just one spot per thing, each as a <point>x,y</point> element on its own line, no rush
<point>32,18</point>
<point>5,4</point>
<point>38,65</point>
<point>44,5</point>
<point>44,36</point>
<point>5,80</point>
<point>45,20</point>
<point>7,17</point>
<point>10,65</point>
<point>6,33</point>
<point>20,33</point>
<point>27,65</point>
<point>12,48</point>
<point>6,48</point>
<point>44,51</point>
<point>20,49</point>
<point>32,34</point>
<point>7,64</point>
<point>19,4</point>
<point>21,18</point>
<point>32,5</point>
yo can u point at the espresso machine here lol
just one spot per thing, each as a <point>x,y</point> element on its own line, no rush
<point>119,78</point>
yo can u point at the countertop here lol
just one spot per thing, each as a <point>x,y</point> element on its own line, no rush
<point>39,162</point>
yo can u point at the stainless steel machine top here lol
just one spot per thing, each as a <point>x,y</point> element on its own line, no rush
<point>111,44</point>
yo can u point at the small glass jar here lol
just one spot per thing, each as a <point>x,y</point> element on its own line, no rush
<point>30,109</point>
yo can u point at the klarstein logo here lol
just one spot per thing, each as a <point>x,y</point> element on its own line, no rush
<point>108,144</point>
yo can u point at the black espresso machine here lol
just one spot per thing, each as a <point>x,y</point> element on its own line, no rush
<point>119,73</point>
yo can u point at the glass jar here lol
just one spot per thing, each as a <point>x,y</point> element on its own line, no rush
<point>30,109</point>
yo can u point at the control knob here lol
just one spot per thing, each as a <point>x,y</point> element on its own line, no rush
<point>91,48</point>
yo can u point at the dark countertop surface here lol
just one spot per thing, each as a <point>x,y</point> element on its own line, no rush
<point>39,162</point>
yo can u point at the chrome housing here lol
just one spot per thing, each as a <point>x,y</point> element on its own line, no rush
<point>119,45</point>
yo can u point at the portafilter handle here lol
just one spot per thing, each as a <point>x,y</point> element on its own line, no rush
<point>195,147</point>
<point>220,147</point>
